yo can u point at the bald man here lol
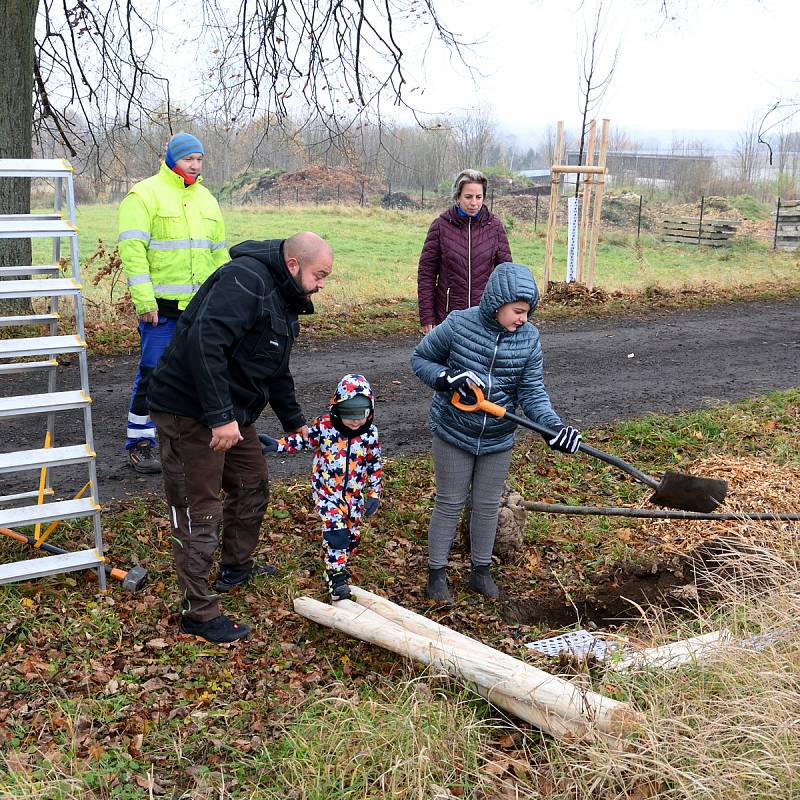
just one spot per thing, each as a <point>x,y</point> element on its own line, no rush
<point>228,359</point>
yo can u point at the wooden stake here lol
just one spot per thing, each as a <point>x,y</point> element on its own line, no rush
<point>555,705</point>
<point>587,194</point>
<point>686,651</point>
<point>555,185</point>
<point>598,203</point>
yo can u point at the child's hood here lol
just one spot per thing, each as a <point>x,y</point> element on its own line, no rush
<point>351,385</point>
<point>507,283</point>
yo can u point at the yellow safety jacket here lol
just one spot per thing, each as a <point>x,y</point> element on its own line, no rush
<point>171,238</point>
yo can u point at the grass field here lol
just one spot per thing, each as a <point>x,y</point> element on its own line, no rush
<point>376,253</point>
<point>100,699</point>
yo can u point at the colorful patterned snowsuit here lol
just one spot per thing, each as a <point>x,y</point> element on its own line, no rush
<point>345,474</point>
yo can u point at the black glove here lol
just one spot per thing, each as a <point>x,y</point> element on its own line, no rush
<point>270,445</point>
<point>458,380</point>
<point>566,440</point>
<point>371,506</point>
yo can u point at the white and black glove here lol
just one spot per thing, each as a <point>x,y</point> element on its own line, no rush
<point>458,380</point>
<point>566,440</point>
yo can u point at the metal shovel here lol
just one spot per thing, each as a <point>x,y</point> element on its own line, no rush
<point>674,490</point>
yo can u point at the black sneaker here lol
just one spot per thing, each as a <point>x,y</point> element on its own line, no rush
<point>142,457</point>
<point>228,578</point>
<point>219,630</point>
<point>338,586</point>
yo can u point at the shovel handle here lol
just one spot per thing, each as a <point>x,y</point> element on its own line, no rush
<point>482,404</point>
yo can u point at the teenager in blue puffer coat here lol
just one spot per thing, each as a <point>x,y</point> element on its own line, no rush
<point>492,346</point>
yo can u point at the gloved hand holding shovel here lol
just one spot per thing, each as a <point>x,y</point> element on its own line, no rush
<point>674,490</point>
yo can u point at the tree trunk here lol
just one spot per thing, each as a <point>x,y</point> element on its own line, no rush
<point>16,119</point>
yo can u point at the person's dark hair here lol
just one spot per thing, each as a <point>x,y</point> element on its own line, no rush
<point>468,176</point>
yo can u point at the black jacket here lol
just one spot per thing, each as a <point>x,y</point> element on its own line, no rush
<point>229,355</point>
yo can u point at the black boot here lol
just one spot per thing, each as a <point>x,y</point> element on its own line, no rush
<point>437,588</point>
<point>338,586</point>
<point>480,580</point>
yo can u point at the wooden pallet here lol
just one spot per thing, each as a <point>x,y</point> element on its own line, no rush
<point>688,230</point>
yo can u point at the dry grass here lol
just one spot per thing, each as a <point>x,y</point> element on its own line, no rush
<point>728,727</point>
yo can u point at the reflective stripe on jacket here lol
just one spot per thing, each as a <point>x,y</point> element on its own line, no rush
<point>171,238</point>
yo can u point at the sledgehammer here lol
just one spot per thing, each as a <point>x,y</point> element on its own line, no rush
<point>132,580</point>
<point>674,490</point>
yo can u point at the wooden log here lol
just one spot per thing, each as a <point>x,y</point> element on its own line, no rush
<point>558,707</point>
<point>598,204</point>
<point>574,169</point>
<point>555,185</point>
<point>586,201</point>
<point>668,656</point>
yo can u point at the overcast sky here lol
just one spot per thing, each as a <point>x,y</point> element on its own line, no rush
<point>708,70</point>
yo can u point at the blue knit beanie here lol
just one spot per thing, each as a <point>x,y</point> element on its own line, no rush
<point>181,145</point>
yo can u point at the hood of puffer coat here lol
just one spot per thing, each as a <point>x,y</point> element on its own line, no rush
<point>507,283</point>
<point>351,385</point>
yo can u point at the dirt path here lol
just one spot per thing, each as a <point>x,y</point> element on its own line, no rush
<point>681,361</point>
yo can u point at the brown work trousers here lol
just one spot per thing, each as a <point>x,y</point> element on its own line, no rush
<point>194,477</point>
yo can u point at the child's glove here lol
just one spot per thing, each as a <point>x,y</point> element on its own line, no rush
<point>371,506</point>
<point>270,445</point>
<point>566,440</point>
<point>458,380</point>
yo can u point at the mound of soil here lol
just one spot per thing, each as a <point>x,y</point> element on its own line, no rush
<point>313,183</point>
<point>398,200</point>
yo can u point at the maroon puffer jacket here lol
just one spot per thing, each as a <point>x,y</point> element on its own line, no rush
<point>457,259</point>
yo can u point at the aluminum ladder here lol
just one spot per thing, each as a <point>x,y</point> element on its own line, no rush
<point>39,354</point>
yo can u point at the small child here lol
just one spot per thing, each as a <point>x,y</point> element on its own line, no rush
<point>346,473</point>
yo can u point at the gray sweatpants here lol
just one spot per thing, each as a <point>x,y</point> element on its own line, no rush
<point>457,471</point>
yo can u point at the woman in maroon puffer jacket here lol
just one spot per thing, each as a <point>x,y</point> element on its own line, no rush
<point>464,244</point>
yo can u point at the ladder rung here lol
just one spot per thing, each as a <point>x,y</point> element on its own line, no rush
<point>50,565</point>
<point>41,345</point>
<point>21,460</point>
<point>43,270</point>
<point>35,168</point>
<point>27,366</point>
<point>47,512</point>
<point>22,405</point>
<point>29,319</point>
<point>8,498</point>
<point>29,226</point>
<point>39,287</point>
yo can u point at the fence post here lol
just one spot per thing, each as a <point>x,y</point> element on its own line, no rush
<point>777,217</point>
<point>316,196</point>
<point>700,226</point>
<point>296,194</point>
<point>639,220</point>
<point>390,188</point>
<point>338,193</point>
<point>362,195</point>
<point>536,213</point>
<point>422,198</point>
<point>279,198</point>
<point>491,200</point>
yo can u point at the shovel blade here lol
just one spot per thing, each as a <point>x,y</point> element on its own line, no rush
<point>690,492</point>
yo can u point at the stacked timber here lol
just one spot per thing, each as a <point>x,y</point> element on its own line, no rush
<point>787,226</point>
<point>694,230</point>
<point>553,704</point>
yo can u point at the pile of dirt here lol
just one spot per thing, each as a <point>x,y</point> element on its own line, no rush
<point>398,200</point>
<point>310,184</point>
<point>574,294</point>
<point>713,208</point>
<point>622,211</point>
<point>522,207</point>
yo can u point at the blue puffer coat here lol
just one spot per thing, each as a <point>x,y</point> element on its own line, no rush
<point>509,363</point>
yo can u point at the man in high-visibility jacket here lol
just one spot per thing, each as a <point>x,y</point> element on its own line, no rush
<point>171,238</point>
